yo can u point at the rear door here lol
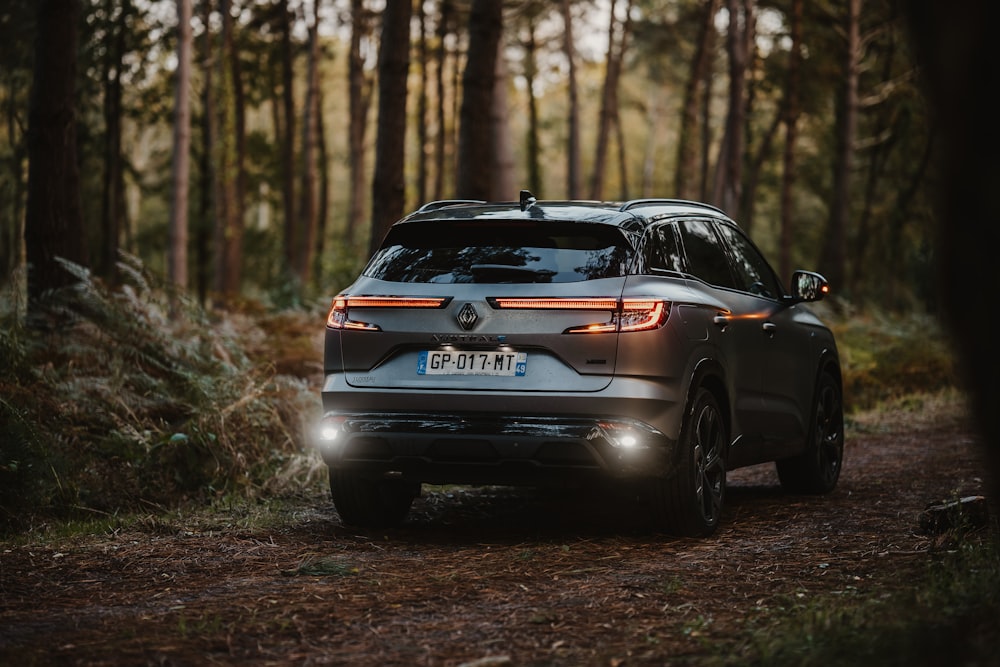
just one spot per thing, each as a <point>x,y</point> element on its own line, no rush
<point>494,305</point>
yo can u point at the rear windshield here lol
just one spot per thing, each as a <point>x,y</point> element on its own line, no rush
<point>499,252</point>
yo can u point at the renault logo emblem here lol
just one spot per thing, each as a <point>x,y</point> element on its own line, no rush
<point>467,316</point>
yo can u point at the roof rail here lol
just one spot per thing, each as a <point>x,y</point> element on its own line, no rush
<point>635,203</point>
<point>444,203</point>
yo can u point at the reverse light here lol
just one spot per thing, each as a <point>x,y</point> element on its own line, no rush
<point>338,317</point>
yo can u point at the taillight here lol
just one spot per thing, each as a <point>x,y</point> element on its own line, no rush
<point>625,315</point>
<point>339,318</point>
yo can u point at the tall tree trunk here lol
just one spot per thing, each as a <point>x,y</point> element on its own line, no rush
<point>359,100</point>
<point>834,261</point>
<point>424,148</point>
<point>686,181</point>
<point>323,199</point>
<point>441,57</point>
<point>573,168</point>
<point>609,97</point>
<point>288,133</point>
<point>388,184</point>
<point>177,265</point>
<point>209,124</point>
<point>533,143</point>
<point>729,168</point>
<point>475,177</point>
<point>791,119</point>
<point>306,228</point>
<point>229,226</point>
<point>54,222</point>
<point>113,186</point>
<point>504,186</point>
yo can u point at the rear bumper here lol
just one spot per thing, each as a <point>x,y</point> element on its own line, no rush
<point>466,448</point>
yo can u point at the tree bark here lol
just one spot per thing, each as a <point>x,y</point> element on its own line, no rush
<point>475,177</point>
<point>441,143</point>
<point>791,119</point>
<point>177,264</point>
<point>504,186</point>
<point>288,133</point>
<point>359,101</point>
<point>533,142</point>
<point>54,222</point>
<point>729,168</point>
<point>573,169</point>
<point>113,186</point>
<point>388,185</point>
<point>686,181</point>
<point>609,97</point>
<point>305,234</point>
<point>834,262</point>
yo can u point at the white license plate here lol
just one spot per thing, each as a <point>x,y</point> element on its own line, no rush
<point>452,362</point>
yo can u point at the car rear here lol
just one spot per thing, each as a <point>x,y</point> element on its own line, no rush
<point>483,347</point>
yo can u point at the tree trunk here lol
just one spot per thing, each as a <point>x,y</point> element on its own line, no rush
<point>113,187</point>
<point>729,168</point>
<point>834,262</point>
<point>323,197</point>
<point>207,176</point>
<point>533,143</point>
<point>288,133</point>
<point>573,177</point>
<point>441,57</point>
<point>424,148</point>
<point>359,100</point>
<point>504,185</point>
<point>54,222</point>
<point>177,267</point>
<point>609,97</point>
<point>791,119</point>
<point>305,233</point>
<point>388,185</point>
<point>229,224</point>
<point>686,183</point>
<point>475,177</point>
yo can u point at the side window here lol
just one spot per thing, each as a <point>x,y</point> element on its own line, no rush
<point>753,273</point>
<point>661,249</point>
<point>706,256</point>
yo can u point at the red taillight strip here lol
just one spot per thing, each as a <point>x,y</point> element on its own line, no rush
<point>337,317</point>
<point>540,303</point>
<point>627,315</point>
<point>393,301</point>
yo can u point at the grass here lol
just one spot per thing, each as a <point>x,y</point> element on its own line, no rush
<point>949,615</point>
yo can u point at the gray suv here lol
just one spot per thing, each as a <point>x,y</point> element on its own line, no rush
<point>647,343</point>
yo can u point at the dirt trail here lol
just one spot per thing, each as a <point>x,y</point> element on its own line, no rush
<point>483,576</point>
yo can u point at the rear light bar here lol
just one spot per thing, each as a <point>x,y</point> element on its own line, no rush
<point>627,315</point>
<point>338,317</point>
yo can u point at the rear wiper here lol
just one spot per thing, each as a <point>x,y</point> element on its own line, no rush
<point>510,274</point>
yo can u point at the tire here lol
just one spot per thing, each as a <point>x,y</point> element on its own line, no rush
<point>817,469</point>
<point>366,502</point>
<point>689,502</point>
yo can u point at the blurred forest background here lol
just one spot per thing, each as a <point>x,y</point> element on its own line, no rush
<point>260,154</point>
<point>184,185</point>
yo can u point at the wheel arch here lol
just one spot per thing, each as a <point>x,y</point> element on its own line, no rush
<point>709,374</point>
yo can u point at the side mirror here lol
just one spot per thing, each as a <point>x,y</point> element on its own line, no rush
<point>809,286</point>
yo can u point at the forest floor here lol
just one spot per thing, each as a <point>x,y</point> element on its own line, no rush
<point>496,576</point>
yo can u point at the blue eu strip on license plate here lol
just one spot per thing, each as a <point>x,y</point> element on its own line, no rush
<point>454,362</point>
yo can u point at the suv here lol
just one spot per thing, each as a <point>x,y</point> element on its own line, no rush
<point>566,342</point>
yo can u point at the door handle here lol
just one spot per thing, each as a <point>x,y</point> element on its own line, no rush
<point>770,328</point>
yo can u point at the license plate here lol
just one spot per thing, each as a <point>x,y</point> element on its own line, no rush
<point>452,362</point>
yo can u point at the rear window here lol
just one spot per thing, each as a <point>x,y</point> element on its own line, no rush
<point>499,252</point>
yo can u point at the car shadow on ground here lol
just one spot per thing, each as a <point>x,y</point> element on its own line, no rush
<point>470,515</point>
